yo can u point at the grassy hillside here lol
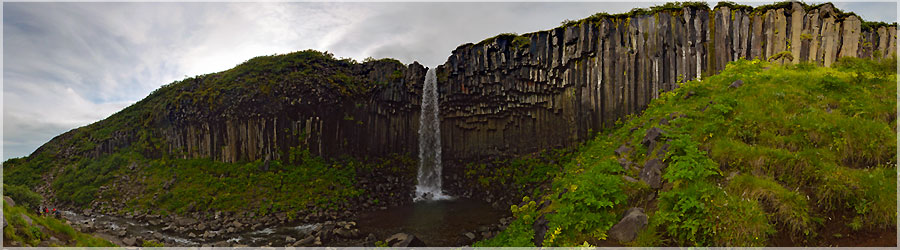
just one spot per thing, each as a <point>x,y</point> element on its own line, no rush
<point>263,84</point>
<point>794,151</point>
<point>40,231</point>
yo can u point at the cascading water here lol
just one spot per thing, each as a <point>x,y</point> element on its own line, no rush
<point>429,178</point>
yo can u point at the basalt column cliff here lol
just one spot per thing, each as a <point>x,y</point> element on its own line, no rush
<point>512,95</point>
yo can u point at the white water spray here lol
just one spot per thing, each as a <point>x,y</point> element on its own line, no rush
<point>429,178</point>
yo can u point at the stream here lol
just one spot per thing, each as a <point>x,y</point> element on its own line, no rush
<point>437,223</point>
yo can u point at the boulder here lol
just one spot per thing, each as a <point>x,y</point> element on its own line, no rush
<point>627,228</point>
<point>185,222</point>
<point>651,136</point>
<point>470,236</point>
<point>404,240</point>
<point>347,233</point>
<point>622,150</point>
<point>129,241</point>
<point>9,200</point>
<point>540,227</point>
<point>652,173</point>
<point>305,241</point>
<point>736,84</point>
<point>289,239</point>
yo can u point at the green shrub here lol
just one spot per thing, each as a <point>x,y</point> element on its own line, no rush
<point>22,196</point>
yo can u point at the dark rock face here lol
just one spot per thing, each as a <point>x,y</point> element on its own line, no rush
<point>627,228</point>
<point>499,98</point>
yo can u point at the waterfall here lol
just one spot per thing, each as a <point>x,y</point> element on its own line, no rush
<point>429,178</point>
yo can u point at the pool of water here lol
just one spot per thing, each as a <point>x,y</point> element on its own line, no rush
<point>437,223</point>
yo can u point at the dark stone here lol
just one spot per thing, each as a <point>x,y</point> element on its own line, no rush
<point>625,163</point>
<point>664,122</point>
<point>627,228</point>
<point>540,227</point>
<point>651,136</point>
<point>306,241</point>
<point>128,241</point>
<point>652,173</point>
<point>404,240</point>
<point>736,84</point>
<point>470,236</point>
<point>622,150</point>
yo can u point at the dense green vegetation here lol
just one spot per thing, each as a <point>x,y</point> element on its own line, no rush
<point>173,185</point>
<point>42,229</point>
<point>796,149</point>
<point>81,174</point>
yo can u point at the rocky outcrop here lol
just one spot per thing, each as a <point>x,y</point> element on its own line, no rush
<point>505,96</point>
<point>513,95</point>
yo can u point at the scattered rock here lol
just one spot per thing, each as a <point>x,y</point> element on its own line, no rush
<point>540,229</point>
<point>652,173</point>
<point>627,228</point>
<point>289,239</point>
<point>305,241</point>
<point>347,233</point>
<point>651,136</point>
<point>185,221</point>
<point>404,240</point>
<point>128,241</point>
<point>622,150</point>
<point>736,84</point>
<point>122,233</point>
<point>470,236</point>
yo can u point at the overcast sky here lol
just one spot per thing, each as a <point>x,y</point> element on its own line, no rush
<point>66,65</point>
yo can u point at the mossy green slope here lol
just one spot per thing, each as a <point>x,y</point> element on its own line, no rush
<point>43,231</point>
<point>793,150</point>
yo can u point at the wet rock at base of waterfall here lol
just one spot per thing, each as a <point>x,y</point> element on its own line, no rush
<point>192,235</point>
<point>308,241</point>
<point>289,239</point>
<point>540,227</point>
<point>470,236</point>
<point>651,136</point>
<point>736,84</point>
<point>129,241</point>
<point>347,233</point>
<point>652,173</point>
<point>121,233</point>
<point>404,240</point>
<point>627,228</point>
<point>230,230</point>
<point>622,150</point>
<point>200,227</point>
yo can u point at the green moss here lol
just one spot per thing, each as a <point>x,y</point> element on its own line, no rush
<point>734,6</point>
